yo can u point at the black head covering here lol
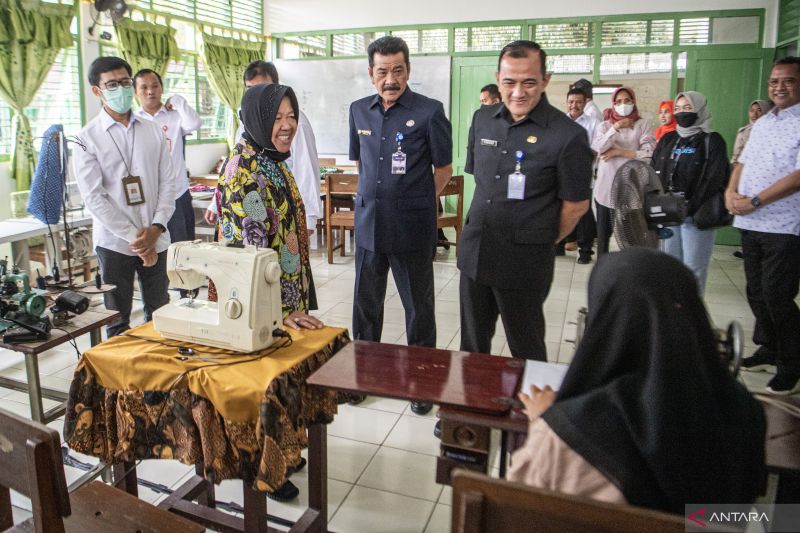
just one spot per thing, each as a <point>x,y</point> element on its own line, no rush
<point>647,400</point>
<point>259,108</point>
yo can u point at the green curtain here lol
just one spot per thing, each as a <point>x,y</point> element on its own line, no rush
<point>147,45</point>
<point>31,35</point>
<point>225,60</point>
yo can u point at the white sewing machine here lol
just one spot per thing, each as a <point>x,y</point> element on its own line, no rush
<point>248,289</point>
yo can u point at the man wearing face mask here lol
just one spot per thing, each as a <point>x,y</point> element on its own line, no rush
<point>124,172</point>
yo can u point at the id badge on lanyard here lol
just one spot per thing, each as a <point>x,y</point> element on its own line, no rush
<point>134,195</point>
<point>399,157</point>
<point>516,180</point>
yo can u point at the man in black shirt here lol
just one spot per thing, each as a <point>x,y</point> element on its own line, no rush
<point>532,168</point>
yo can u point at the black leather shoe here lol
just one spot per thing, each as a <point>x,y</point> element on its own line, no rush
<point>584,259</point>
<point>285,493</point>
<point>301,465</point>
<point>437,429</point>
<point>761,360</point>
<point>560,251</point>
<point>356,399</point>
<point>738,254</point>
<point>783,384</point>
<point>421,408</point>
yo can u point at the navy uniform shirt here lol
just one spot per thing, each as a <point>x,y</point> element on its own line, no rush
<point>508,243</point>
<point>397,212</point>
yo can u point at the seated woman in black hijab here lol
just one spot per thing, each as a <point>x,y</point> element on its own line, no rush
<point>260,205</point>
<point>647,414</point>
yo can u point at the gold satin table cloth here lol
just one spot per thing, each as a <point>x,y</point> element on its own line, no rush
<point>241,421</point>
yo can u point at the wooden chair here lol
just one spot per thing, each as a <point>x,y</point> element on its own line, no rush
<point>455,187</point>
<point>484,504</point>
<point>338,184</point>
<point>30,463</point>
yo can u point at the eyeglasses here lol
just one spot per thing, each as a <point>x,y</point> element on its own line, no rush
<point>787,82</point>
<point>114,84</point>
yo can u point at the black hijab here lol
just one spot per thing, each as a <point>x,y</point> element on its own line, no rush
<point>648,402</point>
<point>259,108</point>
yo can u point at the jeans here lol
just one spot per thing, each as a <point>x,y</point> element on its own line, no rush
<point>772,268</point>
<point>118,269</point>
<point>693,247</point>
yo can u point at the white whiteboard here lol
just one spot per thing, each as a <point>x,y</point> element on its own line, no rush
<point>326,88</point>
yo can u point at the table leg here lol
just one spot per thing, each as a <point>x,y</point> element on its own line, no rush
<point>318,472</point>
<point>124,475</point>
<point>504,436</point>
<point>34,387</point>
<point>21,256</point>
<point>95,336</point>
<point>255,510</point>
<point>208,497</point>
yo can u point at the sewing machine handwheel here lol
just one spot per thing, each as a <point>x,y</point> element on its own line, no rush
<point>272,274</point>
<point>35,305</point>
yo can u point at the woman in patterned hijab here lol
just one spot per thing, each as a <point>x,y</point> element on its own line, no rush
<point>260,204</point>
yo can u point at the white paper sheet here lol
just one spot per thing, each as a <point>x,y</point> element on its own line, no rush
<point>541,374</point>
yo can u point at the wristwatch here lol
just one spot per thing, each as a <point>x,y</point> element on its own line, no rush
<point>755,201</point>
<point>160,226</point>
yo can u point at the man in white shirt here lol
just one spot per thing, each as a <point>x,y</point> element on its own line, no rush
<point>590,108</point>
<point>586,230</point>
<point>764,194</point>
<point>176,118</point>
<point>304,161</point>
<point>124,172</point>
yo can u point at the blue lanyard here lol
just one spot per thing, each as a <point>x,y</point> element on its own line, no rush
<point>399,138</point>
<point>520,155</point>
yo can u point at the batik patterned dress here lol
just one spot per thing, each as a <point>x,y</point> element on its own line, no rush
<point>260,205</point>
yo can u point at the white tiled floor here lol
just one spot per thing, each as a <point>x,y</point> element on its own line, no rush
<point>381,455</point>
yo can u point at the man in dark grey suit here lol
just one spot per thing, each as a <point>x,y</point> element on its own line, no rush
<point>402,142</point>
<point>532,168</point>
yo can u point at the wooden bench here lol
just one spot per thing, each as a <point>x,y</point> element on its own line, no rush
<point>483,504</point>
<point>30,463</point>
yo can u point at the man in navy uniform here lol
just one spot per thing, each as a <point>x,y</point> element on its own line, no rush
<point>532,166</point>
<point>402,143</point>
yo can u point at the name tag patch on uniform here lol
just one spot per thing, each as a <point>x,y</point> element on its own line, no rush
<point>532,139</point>
<point>365,132</point>
<point>488,142</point>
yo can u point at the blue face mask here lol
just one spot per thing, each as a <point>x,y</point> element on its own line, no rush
<point>119,100</point>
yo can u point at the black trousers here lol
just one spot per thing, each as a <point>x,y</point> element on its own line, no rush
<point>605,227</point>
<point>772,268</point>
<point>413,275</point>
<point>520,310</point>
<point>181,225</point>
<point>586,231</point>
<point>119,269</point>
